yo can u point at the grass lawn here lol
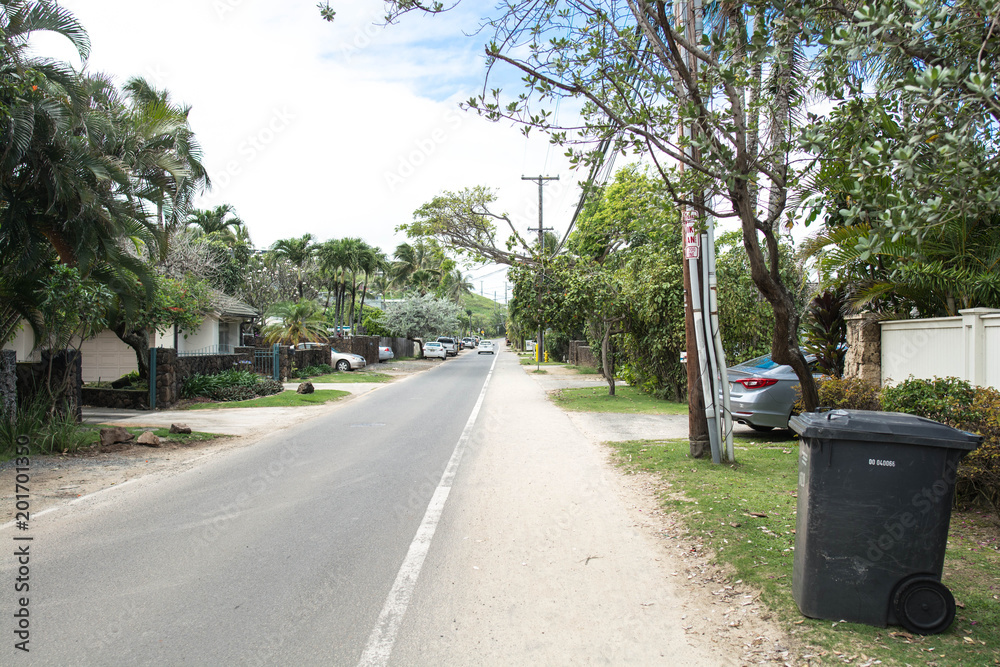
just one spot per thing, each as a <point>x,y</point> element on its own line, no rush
<point>584,370</point>
<point>287,398</point>
<point>346,377</point>
<point>746,514</point>
<point>628,400</point>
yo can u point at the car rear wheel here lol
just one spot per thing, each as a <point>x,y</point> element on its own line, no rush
<point>343,365</point>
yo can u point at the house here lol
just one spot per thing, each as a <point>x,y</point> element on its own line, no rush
<point>106,357</point>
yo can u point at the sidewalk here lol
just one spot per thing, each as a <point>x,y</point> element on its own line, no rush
<point>541,559</point>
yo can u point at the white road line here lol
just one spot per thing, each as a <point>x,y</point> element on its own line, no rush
<point>383,635</point>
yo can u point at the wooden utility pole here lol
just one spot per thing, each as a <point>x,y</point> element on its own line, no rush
<point>540,341</point>
<point>698,437</point>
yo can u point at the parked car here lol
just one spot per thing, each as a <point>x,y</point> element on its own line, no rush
<point>435,349</point>
<point>762,392</point>
<point>450,345</point>
<point>385,353</point>
<point>346,361</point>
<point>486,347</point>
<point>468,343</point>
<point>308,346</point>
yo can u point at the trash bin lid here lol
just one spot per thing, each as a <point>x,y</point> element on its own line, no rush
<point>889,427</point>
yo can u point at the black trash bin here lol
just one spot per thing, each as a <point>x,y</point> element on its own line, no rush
<point>874,503</point>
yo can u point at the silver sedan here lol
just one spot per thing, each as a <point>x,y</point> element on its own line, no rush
<point>762,392</point>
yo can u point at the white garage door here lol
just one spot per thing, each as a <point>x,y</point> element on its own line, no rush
<point>107,358</point>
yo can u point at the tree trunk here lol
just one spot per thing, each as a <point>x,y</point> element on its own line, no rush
<point>354,290</point>
<point>361,309</point>
<point>607,362</point>
<point>138,340</point>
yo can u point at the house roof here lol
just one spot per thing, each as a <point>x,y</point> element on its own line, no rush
<point>231,306</point>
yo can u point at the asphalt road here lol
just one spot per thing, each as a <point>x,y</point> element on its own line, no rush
<point>279,553</point>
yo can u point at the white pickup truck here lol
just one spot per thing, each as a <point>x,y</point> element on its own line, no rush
<point>450,345</point>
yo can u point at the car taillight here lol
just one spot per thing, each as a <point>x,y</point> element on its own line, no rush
<point>757,383</point>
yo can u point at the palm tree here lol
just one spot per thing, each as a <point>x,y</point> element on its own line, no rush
<point>413,258</point>
<point>454,286</point>
<point>370,261</point>
<point>221,220</point>
<point>166,157</point>
<point>299,252</point>
<point>65,195</point>
<point>301,321</point>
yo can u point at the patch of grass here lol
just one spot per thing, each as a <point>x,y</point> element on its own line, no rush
<point>347,377</point>
<point>93,434</point>
<point>722,507</point>
<point>540,371</point>
<point>628,400</point>
<point>585,370</point>
<point>530,361</point>
<point>285,399</point>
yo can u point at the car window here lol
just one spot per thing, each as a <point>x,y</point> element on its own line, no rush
<point>763,363</point>
<point>335,351</point>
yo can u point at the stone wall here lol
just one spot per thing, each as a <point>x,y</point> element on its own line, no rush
<point>864,348</point>
<point>211,364</point>
<point>59,374</point>
<point>580,354</point>
<point>116,398</point>
<point>8,383</point>
<point>311,357</point>
<point>172,371</point>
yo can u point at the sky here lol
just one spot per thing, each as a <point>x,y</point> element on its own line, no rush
<point>333,129</point>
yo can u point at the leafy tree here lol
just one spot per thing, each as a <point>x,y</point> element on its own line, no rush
<point>299,252</point>
<point>267,281</point>
<point>746,320</point>
<point>931,65</point>
<point>422,317</point>
<point>174,302</point>
<point>629,65</point>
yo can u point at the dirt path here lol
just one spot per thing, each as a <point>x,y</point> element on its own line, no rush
<point>548,554</point>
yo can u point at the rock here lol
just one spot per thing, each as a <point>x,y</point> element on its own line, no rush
<point>149,439</point>
<point>110,436</point>
<point>305,388</point>
<point>180,428</point>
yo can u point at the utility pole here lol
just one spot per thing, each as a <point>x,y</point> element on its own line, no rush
<point>540,340</point>
<point>698,438</point>
<point>709,418</point>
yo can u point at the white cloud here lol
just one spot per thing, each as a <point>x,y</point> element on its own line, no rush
<point>338,129</point>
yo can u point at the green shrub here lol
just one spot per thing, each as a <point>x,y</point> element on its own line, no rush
<point>234,393</point>
<point>849,394</point>
<point>207,385</point>
<point>48,431</point>
<point>313,371</point>
<point>268,387</point>
<point>940,399</point>
<point>974,409</point>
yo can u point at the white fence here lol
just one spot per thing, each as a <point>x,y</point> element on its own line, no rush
<point>966,347</point>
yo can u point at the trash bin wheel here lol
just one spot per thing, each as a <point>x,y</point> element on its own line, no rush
<point>924,605</point>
